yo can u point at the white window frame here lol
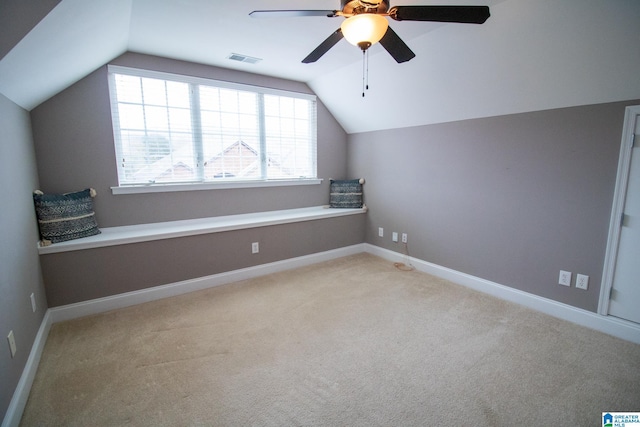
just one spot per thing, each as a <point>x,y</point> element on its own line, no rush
<point>130,188</point>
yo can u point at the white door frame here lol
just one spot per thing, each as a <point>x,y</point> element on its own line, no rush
<point>622,180</point>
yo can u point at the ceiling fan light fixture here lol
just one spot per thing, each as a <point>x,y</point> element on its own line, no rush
<point>364,30</point>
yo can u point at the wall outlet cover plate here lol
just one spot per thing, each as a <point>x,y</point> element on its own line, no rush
<point>565,278</point>
<point>582,281</point>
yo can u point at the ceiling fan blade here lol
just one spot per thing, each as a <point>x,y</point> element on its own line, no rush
<point>324,47</point>
<point>461,14</point>
<point>291,13</point>
<point>396,47</point>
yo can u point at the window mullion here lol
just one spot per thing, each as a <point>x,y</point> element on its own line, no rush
<point>263,137</point>
<point>196,130</point>
<point>145,120</point>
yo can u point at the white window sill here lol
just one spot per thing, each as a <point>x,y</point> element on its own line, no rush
<point>112,236</point>
<point>163,188</point>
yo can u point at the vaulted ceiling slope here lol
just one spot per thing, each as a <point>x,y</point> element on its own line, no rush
<point>530,54</point>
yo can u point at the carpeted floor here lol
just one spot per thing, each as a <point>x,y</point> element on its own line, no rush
<point>350,342</point>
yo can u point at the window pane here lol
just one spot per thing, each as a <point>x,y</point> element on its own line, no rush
<point>230,129</point>
<point>178,94</point>
<point>290,145</point>
<point>155,131</point>
<point>228,100</point>
<point>131,116</point>
<point>154,92</point>
<point>230,122</point>
<point>128,88</point>
<point>247,102</point>
<point>156,118</point>
<point>209,98</point>
<point>302,109</point>
<point>180,119</point>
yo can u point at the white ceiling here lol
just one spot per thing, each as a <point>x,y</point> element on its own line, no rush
<point>530,55</point>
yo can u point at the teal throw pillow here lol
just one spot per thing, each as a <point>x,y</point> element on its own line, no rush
<point>346,193</point>
<point>63,217</point>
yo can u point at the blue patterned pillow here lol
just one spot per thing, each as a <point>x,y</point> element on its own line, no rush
<point>345,193</point>
<point>63,217</point>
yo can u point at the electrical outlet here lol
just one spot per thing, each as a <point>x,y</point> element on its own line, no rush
<point>582,281</point>
<point>404,238</point>
<point>565,278</point>
<point>380,232</point>
<point>12,343</point>
<point>394,236</point>
<point>33,302</point>
<point>255,247</point>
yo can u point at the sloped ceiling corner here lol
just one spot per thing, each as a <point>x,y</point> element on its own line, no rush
<point>74,39</point>
<point>530,55</point>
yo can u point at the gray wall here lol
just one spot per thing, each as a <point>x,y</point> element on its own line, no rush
<point>511,199</point>
<point>19,263</point>
<point>73,136</point>
<point>74,146</point>
<point>94,273</point>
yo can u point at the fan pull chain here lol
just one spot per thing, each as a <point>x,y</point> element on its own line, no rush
<point>364,52</point>
<point>365,71</point>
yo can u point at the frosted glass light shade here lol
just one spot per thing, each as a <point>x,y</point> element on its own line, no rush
<point>364,28</point>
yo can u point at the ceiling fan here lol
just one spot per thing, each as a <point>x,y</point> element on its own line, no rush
<point>366,24</point>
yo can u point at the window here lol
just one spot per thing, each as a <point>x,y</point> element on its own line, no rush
<point>172,129</point>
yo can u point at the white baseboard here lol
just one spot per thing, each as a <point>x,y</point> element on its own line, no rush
<point>21,394</point>
<point>619,328</point>
<point>625,330</point>
<point>100,305</point>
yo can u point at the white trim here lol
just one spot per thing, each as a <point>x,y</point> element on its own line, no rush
<point>100,305</point>
<point>113,236</point>
<point>194,130</point>
<point>224,185</point>
<point>619,328</point>
<point>609,325</point>
<point>21,393</point>
<point>619,196</point>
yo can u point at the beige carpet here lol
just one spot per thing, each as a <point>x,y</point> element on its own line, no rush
<point>351,342</point>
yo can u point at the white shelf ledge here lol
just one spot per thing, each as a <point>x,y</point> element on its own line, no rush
<point>112,236</point>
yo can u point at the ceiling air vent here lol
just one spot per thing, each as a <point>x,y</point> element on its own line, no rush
<point>244,58</point>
